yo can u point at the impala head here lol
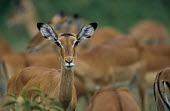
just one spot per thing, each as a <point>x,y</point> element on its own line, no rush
<point>57,19</point>
<point>69,24</point>
<point>21,12</point>
<point>59,24</point>
<point>66,43</point>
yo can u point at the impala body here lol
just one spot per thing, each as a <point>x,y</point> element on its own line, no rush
<point>149,32</point>
<point>4,47</point>
<point>56,83</point>
<point>113,99</point>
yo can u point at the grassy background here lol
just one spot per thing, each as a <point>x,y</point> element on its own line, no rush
<point>119,14</point>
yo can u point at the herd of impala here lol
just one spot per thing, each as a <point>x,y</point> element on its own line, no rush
<point>141,58</point>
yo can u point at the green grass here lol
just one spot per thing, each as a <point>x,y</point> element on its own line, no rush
<point>119,14</point>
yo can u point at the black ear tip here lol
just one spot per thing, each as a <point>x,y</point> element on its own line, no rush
<point>61,13</point>
<point>39,25</point>
<point>76,16</point>
<point>94,25</point>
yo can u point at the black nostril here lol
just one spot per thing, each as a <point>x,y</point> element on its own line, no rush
<point>69,61</point>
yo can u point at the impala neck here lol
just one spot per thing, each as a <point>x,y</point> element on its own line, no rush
<point>66,86</point>
<point>31,18</point>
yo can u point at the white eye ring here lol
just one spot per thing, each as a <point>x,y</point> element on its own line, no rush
<point>75,43</point>
<point>58,43</point>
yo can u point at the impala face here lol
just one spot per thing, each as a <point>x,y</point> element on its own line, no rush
<point>60,24</point>
<point>67,42</point>
<point>66,47</point>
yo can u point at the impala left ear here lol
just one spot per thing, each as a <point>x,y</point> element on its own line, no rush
<point>47,32</point>
<point>87,31</point>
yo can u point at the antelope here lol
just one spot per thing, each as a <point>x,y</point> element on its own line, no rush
<point>152,54</point>
<point>58,83</point>
<point>25,13</point>
<point>113,99</point>
<point>154,57</point>
<point>26,59</point>
<point>9,67</point>
<point>4,47</point>
<point>107,63</point>
<point>97,74</point>
<point>64,24</point>
<point>161,90</point>
<point>149,32</point>
<point>120,61</point>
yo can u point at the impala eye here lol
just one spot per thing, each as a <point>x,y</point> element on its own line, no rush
<point>58,44</point>
<point>76,43</point>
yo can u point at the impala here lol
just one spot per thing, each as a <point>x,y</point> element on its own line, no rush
<point>106,64</point>
<point>4,47</point>
<point>149,32</point>
<point>25,12</point>
<point>162,90</point>
<point>64,24</point>
<point>109,63</point>
<point>119,60</point>
<point>57,83</point>
<point>14,62</point>
<point>113,99</point>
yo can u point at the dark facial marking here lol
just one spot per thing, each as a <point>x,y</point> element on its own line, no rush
<point>66,35</point>
<point>167,83</point>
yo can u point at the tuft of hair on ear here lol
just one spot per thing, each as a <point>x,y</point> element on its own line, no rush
<point>39,25</point>
<point>94,25</point>
<point>76,16</point>
<point>61,13</point>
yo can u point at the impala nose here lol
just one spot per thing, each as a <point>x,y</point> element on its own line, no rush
<point>69,59</point>
<point>69,62</point>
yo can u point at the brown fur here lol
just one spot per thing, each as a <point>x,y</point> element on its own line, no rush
<point>148,31</point>
<point>100,36</point>
<point>161,91</point>
<point>156,53</point>
<point>56,84</point>
<point>38,43</point>
<point>36,59</point>
<point>113,99</point>
<point>50,84</point>
<point>120,55</point>
<point>116,60</point>
<point>25,13</point>
<point>4,47</point>
<point>154,57</point>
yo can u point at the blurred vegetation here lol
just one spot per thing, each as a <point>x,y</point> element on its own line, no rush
<point>119,14</point>
<point>23,103</point>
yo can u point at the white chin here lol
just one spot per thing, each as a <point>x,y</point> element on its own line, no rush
<point>69,66</point>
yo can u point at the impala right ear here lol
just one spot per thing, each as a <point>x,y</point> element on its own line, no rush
<point>87,31</point>
<point>47,31</point>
